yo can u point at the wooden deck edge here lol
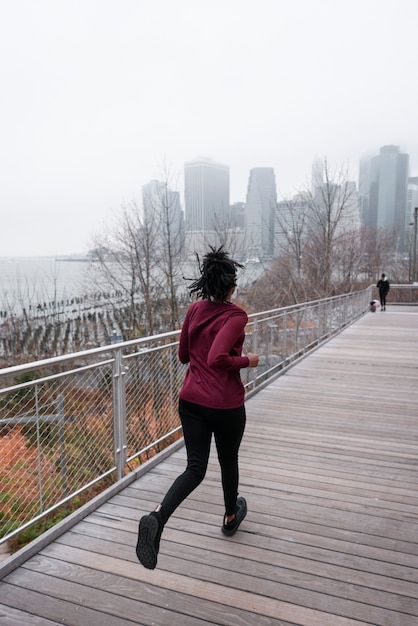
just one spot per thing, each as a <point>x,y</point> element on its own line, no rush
<point>35,546</point>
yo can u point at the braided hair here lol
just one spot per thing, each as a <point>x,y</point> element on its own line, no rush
<point>218,274</point>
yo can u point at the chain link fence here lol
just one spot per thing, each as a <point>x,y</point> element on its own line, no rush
<point>72,425</point>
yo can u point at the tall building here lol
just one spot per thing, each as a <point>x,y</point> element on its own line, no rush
<point>206,199</point>
<point>383,189</point>
<point>260,208</point>
<point>289,223</point>
<point>367,218</point>
<point>237,215</point>
<point>163,213</point>
<point>411,201</point>
<point>317,174</point>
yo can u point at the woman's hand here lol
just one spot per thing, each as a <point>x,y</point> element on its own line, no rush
<point>253,359</point>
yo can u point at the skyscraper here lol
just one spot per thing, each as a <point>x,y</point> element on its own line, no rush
<point>206,199</point>
<point>260,207</point>
<point>411,203</point>
<point>163,214</point>
<point>383,188</point>
<point>366,216</point>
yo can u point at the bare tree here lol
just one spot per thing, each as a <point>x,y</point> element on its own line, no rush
<point>320,250</point>
<point>162,207</point>
<point>378,244</point>
<point>227,234</point>
<point>332,212</point>
<point>124,262</point>
<point>291,232</point>
<point>350,250</point>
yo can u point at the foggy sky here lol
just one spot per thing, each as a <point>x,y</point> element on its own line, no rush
<point>96,95</point>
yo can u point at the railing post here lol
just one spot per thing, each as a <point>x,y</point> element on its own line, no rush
<point>119,413</point>
<point>255,350</point>
<point>322,324</point>
<point>38,452</point>
<point>285,338</point>
<point>414,250</point>
<point>268,341</point>
<point>63,455</point>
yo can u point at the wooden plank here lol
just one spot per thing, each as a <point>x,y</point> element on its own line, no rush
<point>205,590</point>
<point>10,616</point>
<point>57,609</point>
<point>178,607</point>
<point>292,531</point>
<point>264,547</point>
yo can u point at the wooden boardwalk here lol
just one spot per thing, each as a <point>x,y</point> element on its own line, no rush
<point>329,468</point>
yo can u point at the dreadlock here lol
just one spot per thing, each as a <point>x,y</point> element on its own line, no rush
<point>218,273</point>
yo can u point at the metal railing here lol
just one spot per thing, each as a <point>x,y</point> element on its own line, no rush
<point>400,294</point>
<point>74,424</point>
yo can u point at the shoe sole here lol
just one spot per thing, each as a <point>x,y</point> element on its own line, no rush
<point>242,514</point>
<point>145,547</point>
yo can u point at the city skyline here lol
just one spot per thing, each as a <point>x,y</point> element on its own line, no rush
<point>98,94</point>
<point>181,199</point>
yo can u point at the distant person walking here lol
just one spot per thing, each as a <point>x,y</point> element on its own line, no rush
<point>211,399</point>
<point>383,286</point>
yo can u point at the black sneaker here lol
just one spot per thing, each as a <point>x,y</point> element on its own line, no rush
<point>149,534</point>
<point>230,528</point>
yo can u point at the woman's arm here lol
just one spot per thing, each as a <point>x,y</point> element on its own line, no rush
<point>219,354</point>
<point>183,351</point>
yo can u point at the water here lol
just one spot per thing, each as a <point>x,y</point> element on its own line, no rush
<point>29,281</point>
<point>26,282</point>
<point>73,298</point>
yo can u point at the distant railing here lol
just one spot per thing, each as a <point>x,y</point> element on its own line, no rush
<point>400,294</point>
<point>74,424</point>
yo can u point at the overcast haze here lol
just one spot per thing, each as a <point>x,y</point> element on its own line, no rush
<point>96,94</point>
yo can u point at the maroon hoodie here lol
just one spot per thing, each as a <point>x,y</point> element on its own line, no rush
<point>211,342</point>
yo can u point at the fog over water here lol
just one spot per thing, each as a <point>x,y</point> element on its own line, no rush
<point>28,281</point>
<point>41,278</point>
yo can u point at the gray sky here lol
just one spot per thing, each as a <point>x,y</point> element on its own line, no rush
<point>97,94</point>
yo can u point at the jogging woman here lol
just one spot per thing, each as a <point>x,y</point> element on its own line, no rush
<point>211,399</point>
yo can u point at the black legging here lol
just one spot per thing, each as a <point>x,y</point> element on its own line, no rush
<point>383,295</point>
<point>199,423</point>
